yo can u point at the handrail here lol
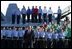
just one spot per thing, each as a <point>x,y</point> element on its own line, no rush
<point>65,15</point>
<point>68,12</point>
<point>68,7</point>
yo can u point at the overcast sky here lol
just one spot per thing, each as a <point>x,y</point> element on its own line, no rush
<point>53,4</point>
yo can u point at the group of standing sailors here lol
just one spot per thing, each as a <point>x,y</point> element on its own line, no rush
<point>37,15</point>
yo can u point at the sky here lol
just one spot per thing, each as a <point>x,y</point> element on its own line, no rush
<point>53,4</point>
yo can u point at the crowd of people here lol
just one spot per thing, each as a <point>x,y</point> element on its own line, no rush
<point>37,15</point>
<point>49,35</point>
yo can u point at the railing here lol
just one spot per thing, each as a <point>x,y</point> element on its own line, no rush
<point>66,11</point>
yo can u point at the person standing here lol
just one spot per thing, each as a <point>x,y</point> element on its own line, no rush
<point>28,14</point>
<point>50,13</point>
<point>44,14</point>
<point>49,37</point>
<point>39,14</point>
<point>32,14</point>
<point>15,36</point>
<point>36,37</point>
<point>28,38</point>
<point>40,41</point>
<point>9,33</point>
<point>61,37</point>
<point>13,17</point>
<point>18,15</point>
<point>59,11</point>
<point>20,35</point>
<point>1,37</point>
<point>35,14</point>
<point>23,12</point>
<point>55,39</point>
<point>3,34</point>
<point>9,37</point>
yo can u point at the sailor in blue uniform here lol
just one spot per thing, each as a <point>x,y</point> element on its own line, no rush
<point>42,34</point>
<point>49,38</point>
<point>15,33</point>
<point>36,36</point>
<point>36,33</point>
<point>23,30</point>
<point>23,12</point>
<point>20,35</point>
<point>28,14</point>
<point>15,36</point>
<point>3,36</point>
<point>9,37</point>
<point>3,33</point>
<point>61,37</point>
<point>9,33</point>
<point>40,42</point>
<point>55,39</point>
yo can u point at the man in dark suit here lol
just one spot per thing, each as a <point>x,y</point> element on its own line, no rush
<point>28,37</point>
